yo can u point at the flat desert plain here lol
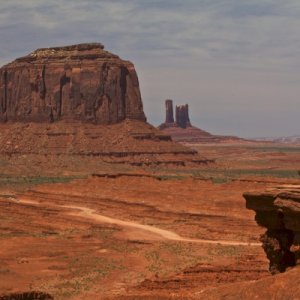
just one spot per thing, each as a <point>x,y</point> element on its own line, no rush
<point>99,231</point>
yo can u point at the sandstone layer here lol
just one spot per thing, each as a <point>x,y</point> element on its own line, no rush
<point>129,142</point>
<point>279,211</point>
<point>82,82</point>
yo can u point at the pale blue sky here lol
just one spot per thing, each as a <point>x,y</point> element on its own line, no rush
<point>236,62</point>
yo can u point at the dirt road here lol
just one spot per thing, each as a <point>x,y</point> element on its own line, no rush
<point>92,214</point>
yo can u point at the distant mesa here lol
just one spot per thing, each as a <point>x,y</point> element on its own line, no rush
<point>80,82</point>
<point>295,139</point>
<point>181,129</point>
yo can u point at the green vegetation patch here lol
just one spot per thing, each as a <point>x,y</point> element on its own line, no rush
<point>172,257</point>
<point>220,176</point>
<point>279,149</point>
<point>225,251</point>
<point>83,272</point>
<point>22,182</point>
<point>236,173</point>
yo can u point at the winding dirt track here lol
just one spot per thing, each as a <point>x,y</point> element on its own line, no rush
<point>92,214</point>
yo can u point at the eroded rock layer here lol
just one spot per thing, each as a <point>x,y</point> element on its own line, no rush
<point>279,211</point>
<point>131,142</point>
<point>82,82</point>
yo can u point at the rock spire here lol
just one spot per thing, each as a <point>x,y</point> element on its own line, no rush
<point>182,116</point>
<point>169,111</point>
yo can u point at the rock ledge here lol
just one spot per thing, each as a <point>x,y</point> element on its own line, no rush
<point>279,211</point>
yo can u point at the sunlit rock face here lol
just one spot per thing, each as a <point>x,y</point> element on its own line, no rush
<point>79,82</point>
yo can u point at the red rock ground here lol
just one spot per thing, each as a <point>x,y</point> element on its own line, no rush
<point>111,245</point>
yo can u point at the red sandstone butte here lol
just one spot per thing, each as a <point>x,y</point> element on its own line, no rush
<point>79,82</point>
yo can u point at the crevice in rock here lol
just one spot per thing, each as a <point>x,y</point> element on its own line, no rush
<point>100,90</point>
<point>277,244</point>
<point>42,87</point>
<point>4,105</point>
<point>63,80</point>
<point>123,86</point>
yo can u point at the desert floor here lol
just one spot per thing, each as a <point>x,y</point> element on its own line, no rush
<point>97,231</point>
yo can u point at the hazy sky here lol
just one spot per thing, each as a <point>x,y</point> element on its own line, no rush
<point>236,62</point>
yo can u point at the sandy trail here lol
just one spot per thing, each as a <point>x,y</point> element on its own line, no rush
<point>92,214</point>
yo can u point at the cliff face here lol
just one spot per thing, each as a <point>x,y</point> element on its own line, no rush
<point>279,211</point>
<point>80,82</point>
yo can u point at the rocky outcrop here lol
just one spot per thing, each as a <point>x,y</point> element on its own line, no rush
<point>279,211</point>
<point>81,82</point>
